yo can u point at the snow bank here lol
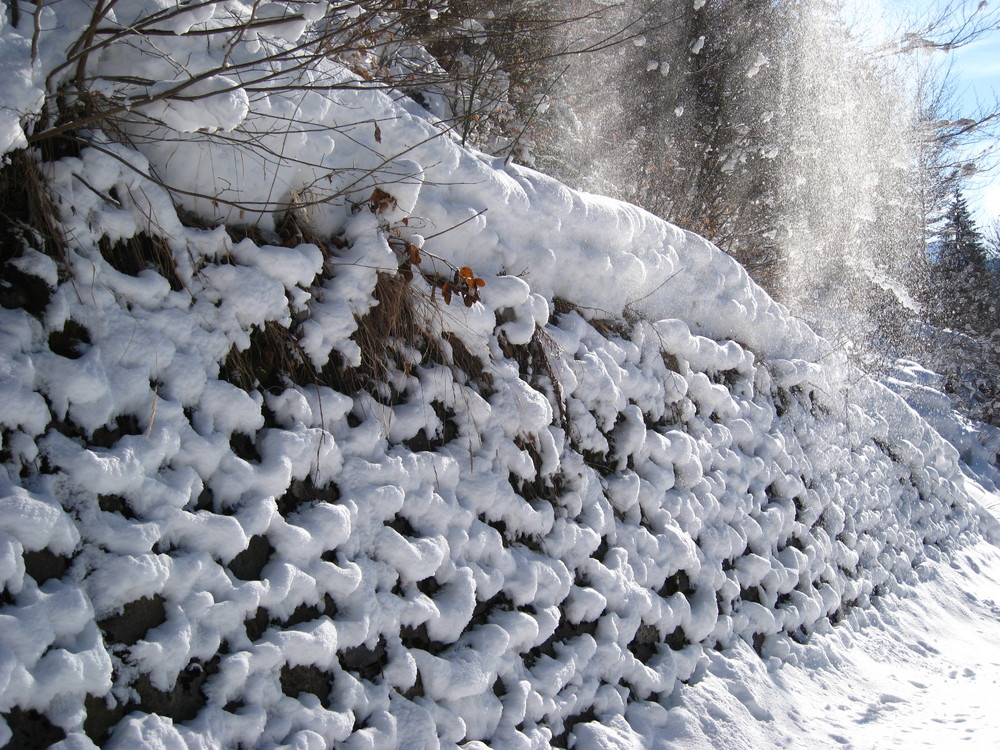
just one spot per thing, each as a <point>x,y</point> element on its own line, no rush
<point>231,517</point>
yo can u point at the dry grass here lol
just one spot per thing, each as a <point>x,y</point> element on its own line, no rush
<point>27,211</point>
<point>394,337</point>
<point>273,357</point>
<point>392,325</point>
<point>139,252</point>
<point>399,333</point>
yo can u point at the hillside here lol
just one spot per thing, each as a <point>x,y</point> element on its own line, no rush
<point>279,471</point>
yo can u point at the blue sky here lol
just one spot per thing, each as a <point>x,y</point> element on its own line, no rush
<point>976,72</point>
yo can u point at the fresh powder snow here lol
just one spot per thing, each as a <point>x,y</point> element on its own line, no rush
<point>268,489</point>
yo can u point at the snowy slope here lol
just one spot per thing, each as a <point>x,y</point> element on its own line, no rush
<point>260,490</point>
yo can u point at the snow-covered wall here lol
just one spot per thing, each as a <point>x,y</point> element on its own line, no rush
<point>260,491</point>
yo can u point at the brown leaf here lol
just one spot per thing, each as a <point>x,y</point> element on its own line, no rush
<point>378,133</point>
<point>381,201</point>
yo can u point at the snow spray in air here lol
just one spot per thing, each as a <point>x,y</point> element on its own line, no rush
<point>851,237</point>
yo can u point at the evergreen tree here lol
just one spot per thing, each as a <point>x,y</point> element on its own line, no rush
<point>963,285</point>
<point>961,304</point>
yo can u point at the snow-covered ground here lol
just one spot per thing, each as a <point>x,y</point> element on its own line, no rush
<point>921,671</point>
<point>258,489</point>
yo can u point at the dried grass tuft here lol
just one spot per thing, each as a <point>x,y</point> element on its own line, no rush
<point>140,252</point>
<point>272,360</point>
<point>28,213</point>
<point>392,331</point>
<point>398,333</point>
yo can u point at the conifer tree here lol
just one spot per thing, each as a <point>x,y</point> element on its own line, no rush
<point>963,284</point>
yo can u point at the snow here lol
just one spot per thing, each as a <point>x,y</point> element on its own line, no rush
<point>216,103</point>
<point>759,62</point>
<point>923,672</point>
<point>22,94</point>
<point>628,500</point>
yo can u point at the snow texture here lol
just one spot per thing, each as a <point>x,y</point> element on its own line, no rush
<point>626,477</point>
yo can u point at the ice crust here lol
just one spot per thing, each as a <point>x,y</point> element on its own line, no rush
<point>654,461</point>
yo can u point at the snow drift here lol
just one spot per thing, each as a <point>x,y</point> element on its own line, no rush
<point>262,488</point>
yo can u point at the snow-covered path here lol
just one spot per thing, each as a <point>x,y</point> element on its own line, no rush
<point>921,672</point>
